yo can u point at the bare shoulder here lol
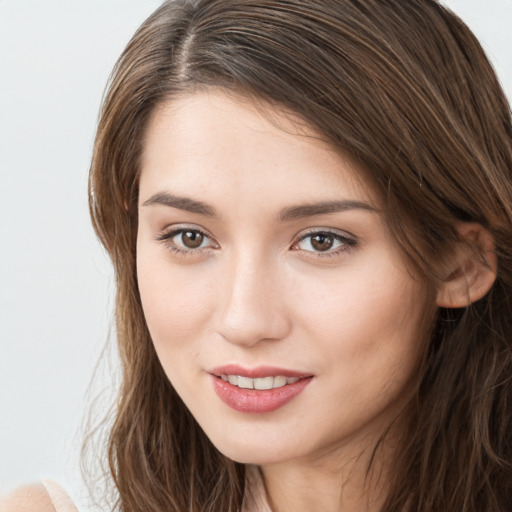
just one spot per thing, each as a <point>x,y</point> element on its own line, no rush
<point>29,498</point>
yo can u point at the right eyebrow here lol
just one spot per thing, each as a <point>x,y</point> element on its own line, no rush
<point>182,203</point>
<point>324,208</point>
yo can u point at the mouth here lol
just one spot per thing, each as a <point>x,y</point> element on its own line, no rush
<point>258,390</point>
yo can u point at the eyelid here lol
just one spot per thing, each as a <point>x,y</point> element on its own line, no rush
<point>323,229</point>
<point>168,233</point>
<point>348,241</point>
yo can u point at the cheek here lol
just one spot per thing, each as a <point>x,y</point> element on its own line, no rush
<point>360,305</point>
<point>368,324</point>
<point>177,303</point>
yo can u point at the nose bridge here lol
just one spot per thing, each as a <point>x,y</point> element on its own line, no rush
<point>252,306</point>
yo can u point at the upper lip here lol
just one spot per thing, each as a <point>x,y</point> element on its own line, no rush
<point>257,371</point>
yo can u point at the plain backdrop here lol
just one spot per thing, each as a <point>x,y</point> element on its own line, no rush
<point>56,289</point>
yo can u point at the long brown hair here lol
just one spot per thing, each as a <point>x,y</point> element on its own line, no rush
<point>404,88</point>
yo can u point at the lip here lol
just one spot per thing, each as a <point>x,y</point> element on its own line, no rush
<point>256,372</point>
<point>257,401</point>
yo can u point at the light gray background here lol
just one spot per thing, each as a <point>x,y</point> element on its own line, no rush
<point>55,284</point>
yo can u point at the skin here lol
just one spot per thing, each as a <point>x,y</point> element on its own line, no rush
<point>258,292</point>
<point>28,499</point>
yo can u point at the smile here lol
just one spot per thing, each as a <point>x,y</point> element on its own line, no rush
<point>259,390</point>
<point>261,383</point>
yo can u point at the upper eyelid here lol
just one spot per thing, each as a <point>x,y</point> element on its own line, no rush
<point>174,229</point>
<point>331,231</point>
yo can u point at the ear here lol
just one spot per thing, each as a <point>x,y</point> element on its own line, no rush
<point>471,270</point>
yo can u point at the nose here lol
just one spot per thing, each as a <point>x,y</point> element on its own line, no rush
<point>252,307</point>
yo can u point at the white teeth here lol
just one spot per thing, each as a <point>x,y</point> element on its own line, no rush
<point>245,382</point>
<point>264,383</point>
<point>261,383</point>
<point>279,382</point>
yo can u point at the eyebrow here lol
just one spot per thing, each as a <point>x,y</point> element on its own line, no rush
<point>287,214</point>
<point>323,208</point>
<point>182,203</point>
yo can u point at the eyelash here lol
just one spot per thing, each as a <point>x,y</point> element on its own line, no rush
<point>347,242</point>
<point>166,239</point>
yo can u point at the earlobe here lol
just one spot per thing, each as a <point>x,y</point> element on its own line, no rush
<point>473,268</point>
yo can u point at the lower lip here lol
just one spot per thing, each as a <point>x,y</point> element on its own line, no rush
<point>257,401</point>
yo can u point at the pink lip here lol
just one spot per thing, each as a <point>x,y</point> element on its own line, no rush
<point>253,400</point>
<point>258,371</point>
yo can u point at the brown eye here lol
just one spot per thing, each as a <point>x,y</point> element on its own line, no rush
<point>187,240</point>
<point>191,239</point>
<point>325,243</point>
<point>322,242</point>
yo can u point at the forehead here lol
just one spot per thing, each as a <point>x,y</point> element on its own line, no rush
<point>212,143</point>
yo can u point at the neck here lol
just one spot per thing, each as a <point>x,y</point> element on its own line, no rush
<point>343,480</point>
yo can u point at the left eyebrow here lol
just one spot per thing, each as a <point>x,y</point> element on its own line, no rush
<point>323,208</point>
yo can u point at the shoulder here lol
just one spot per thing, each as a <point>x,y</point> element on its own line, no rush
<point>30,498</point>
<point>46,496</point>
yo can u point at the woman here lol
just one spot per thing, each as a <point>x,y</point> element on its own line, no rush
<point>309,210</point>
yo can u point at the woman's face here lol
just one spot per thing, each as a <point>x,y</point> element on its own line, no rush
<point>263,262</point>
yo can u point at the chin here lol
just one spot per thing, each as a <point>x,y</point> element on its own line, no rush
<point>257,451</point>
<point>256,455</point>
